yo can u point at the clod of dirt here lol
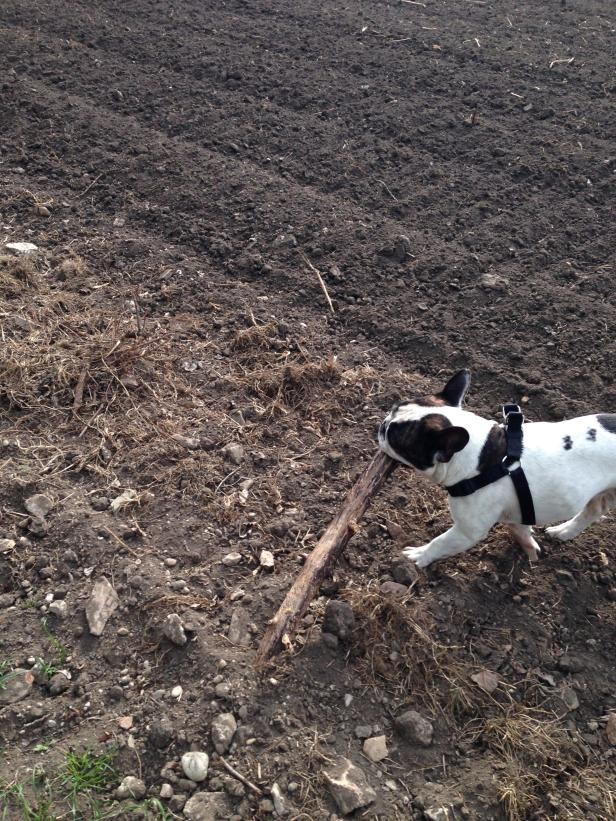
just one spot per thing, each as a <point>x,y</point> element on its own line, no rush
<point>415,728</point>
<point>195,765</point>
<point>339,619</point>
<point>38,505</point>
<point>234,453</point>
<point>348,786</point>
<point>570,664</point>
<point>102,603</point>
<point>206,806</point>
<point>173,629</point>
<point>569,698</point>
<point>15,686</point>
<point>161,733</point>
<point>404,572</point>
<point>131,787</point>
<point>376,748</point>
<point>188,442</point>
<point>222,731</point>
<point>394,589</point>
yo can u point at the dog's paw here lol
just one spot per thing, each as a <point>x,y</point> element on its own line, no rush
<point>560,532</point>
<point>419,555</point>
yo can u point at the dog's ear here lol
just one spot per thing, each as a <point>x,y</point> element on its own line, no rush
<point>455,390</point>
<point>449,441</point>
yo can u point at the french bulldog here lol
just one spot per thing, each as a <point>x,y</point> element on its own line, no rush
<point>570,468</point>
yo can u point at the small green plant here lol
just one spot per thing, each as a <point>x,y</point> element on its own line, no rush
<point>13,798</point>
<point>45,669</point>
<point>61,651</point>
<point>87,771</point>
<point>5,672</point>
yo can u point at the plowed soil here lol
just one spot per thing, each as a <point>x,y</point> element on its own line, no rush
<point>184,169</point>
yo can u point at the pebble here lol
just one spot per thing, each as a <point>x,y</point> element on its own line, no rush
<point>363,731</point>
<point>21,248</point>
<point>266,806</point>
<point>238,629</point>
<point>232,559</point>
<point>223,689</point>
<point>569,698</point>
<point>376,748</point>
<point>59,609</point>
<point>222,731</point>
<point>176,692</point>
<point>206,806</point>
<point>166,791</point>
<point>174,630</point>
<point>161,733</point>
<point>195,765</point>
<point>6,545</point>
<point>16,685</point>
<point>280,803</point>
<point>38,505</point>
<point>58,683</point>
<point>131,787</point>
<point>415,728</point>
<point>348,786</point>
<point>170,562</point>
<point>102,603</point>
<point>266,559</point>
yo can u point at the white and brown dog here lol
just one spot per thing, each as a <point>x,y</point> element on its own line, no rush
<point>570,468</point>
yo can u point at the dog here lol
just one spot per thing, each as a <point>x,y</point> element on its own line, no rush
<point>570,468</point>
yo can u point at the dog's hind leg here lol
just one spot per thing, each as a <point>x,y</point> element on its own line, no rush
<point>523,535</point>
<point>592,512</point>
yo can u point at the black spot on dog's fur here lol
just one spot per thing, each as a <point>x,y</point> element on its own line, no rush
<point>567,442</point>
<point>591,434</point>
<point>494,449</point>
<point>607,421</point>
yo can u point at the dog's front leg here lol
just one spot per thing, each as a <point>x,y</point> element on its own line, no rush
<point>455,540</point>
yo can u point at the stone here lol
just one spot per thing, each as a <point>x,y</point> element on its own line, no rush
<point>398,591</point>
<point>348,786</point>
<point>173,630</point>
<point>570,664</point>
<point>206,806</point>
<point>6,545</point>
<point>232,559</point>
<point>100,503</point>
<point>569,698</point>
<point>448,813</point>
<point>222,731</point>
<point>161,733</point>
<point>415,728</point>
<point>38,505</point>
<point>166,790</point>
<point>234,453</point>
<point>363,731</point>
<point>131,787</point>
<point>37,527</point>
<point>266,806</point>
<point>280,802</point>
<point>266,559</point>
<point>188,442</point>
<point>21,248</point>
<point>59,609</point>
<point>339,619</point>
<point>58,683</point>
<point>101,604</point>
<point>610,729</point>
<point>404,572</point>
<point>195,765</point>
<point>15,685</point>
<point>238,629</point>
<point>375,748</point>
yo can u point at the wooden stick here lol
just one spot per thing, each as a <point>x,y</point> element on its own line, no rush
<point>321,282</point>
<point>328,548</point>
<point>240,777</point>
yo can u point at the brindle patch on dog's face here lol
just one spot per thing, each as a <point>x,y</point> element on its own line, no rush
<point>494,448</point>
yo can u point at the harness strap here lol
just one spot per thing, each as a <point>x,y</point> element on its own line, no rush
<point>513,433</point>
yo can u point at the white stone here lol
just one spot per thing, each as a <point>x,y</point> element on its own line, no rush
<point>195,765</point>
<point>21,247</point>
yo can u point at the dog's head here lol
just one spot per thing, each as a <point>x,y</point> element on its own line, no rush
<point>418,432</point>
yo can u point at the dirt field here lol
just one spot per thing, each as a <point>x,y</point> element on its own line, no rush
<point>176,387</point>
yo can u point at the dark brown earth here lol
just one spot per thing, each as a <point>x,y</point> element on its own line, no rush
<point>449,169</point>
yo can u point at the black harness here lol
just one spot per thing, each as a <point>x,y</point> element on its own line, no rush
<point>513,435</point>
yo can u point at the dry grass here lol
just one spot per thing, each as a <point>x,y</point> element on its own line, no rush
<point>16,273</point>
